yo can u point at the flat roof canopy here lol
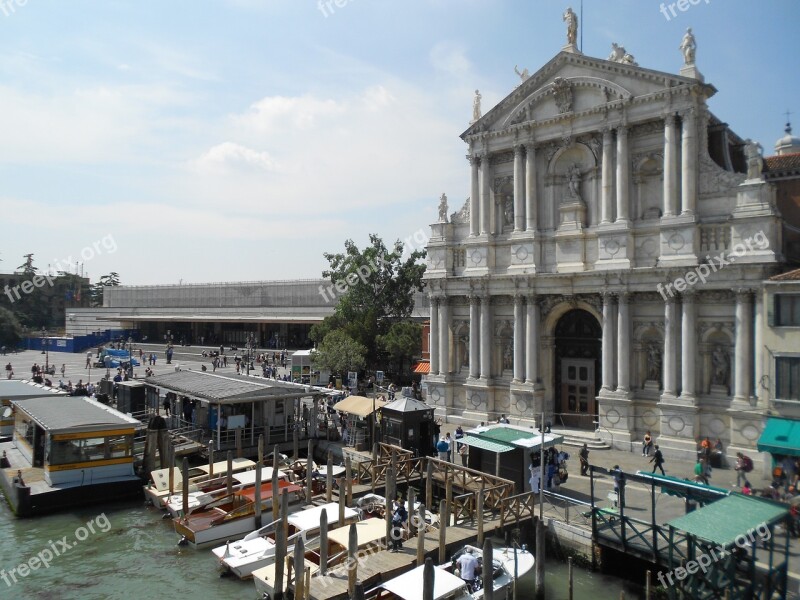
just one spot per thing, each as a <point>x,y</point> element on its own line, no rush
<point>361,406</point>
<point>228,389</point>
<point>781,436</point>
<point>721,522</point>
<point>74,413</point>
<point>16,388</point>
<point>510,437</point>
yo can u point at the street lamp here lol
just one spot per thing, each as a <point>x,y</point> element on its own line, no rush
<point>45,350</point>
<point>130,356</point>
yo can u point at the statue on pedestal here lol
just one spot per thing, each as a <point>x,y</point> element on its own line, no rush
<point>523,75</point>
<point>755,162</point>
<point>476,106</point>
<point>688,47</point>
<point>443,208</point>
<point>571,20</point>
<point>720,367</point>
<point>654,362</point>
<point>574,179</point>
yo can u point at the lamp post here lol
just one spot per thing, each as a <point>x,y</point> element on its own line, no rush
<point>130,356</point>
<point>45,350</point>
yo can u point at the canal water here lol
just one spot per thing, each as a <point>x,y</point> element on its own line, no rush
<point>126,551</point>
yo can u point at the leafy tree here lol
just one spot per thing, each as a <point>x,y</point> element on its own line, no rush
<point>110,280</point>
<point>339,353</point>
<point>402,342</point>
<point>27,267</point>
<point>375,288</point>
<point>10,328</point>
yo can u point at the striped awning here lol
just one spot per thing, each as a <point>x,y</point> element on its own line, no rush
<point>484,444</point>
<point>422,367</point>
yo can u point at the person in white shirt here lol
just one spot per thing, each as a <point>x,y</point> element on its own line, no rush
<point>467,564</point>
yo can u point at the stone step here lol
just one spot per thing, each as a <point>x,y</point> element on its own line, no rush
<point>578,437</point>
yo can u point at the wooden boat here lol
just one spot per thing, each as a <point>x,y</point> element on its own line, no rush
<point>257,549</point>
<point>230,516</point>
<point>371,536</point>
<point>157,489</point>
<point>209,491</point>
<point>449,586</point>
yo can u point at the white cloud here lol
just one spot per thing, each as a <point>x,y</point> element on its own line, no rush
<point>229,155</point>
<point>451,58</point>
<point>274,113</point>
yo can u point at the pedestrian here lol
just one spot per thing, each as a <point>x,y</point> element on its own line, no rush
<point>399,519</point>
<point>88,359</point>
<point>467,568</point>
<point>700,471</point>
<point>647,444</point>
<point>449,441</point>
<point>63,369</point>
<point>442,447</point>
<point>584,456</point>
<point>536,476</point>
<point>167,405</point>
<point>462,451</point>
<point>744,464</point>
<point>619,483</point>
<point>503,419</point>
<point>658,460</point>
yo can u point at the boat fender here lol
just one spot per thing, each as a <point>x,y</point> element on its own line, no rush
<point>183,542</point>
<point>166,516</point>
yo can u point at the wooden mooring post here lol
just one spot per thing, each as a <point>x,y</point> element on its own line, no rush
<point>348,475</point>
<point>210,459</point>
<point>329,479</point>
<point>275,489</point>
<point>229,474</point>
<point>299,569</point>
<point>310,472</point>
<point>323,542</point>
<point>428,575</point>
<point>340,522</point>
<point>352,550</point>
<point>443,518</point>
<point>185,486</point>
<point>648,585</point>
<point>429,484</point>
<point>280,550</point>
<point>479,510</point>
<point>421,535</point>
<point>488,590</point>
<point>257,496</point>
<point>569,575</point>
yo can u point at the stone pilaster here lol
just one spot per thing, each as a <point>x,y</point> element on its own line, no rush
<point>474,337</point>
<point>670,166</point>
<point>689,163</point>
<point>434,341</point>
<point>444,336</point>
<point>608,343</point>
<point>744,342</point>
<point>623,343</point>
<point>688,347</point>
<point>607,175</point>
<point>623,175</point>
<point>531,204</point>
<point>519,189</point>
<point>519,340</point>
<point>532,341</point>
<point>670,348</point>
<point>486,337</point>
<point>474,197</point>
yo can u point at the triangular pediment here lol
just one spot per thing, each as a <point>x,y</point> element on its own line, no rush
<point>571,84</point>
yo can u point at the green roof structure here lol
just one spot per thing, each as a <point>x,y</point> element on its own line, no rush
<point>780,436</point>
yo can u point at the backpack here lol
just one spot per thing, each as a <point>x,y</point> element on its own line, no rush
<point>747,464</point>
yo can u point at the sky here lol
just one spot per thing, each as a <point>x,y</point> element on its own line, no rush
<point>188,141</point>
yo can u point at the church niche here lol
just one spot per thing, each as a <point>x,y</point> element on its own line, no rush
<point>648,188</point>
<point>574,175</point>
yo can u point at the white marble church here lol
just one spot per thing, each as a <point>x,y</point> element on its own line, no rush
<point>607,267</point>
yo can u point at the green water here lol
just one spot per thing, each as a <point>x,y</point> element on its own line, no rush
<point>137,557</point>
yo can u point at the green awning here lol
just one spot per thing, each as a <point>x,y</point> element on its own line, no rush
<point>483,444</point>
<point>723,521</point>
<point>672,486</point>
<point>781,436</point>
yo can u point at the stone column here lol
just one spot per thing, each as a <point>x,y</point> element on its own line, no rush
<point>486,337</point>
<point>670,166</point>
<point>623,174</point>
<point>608,342</point>
<point>530,187</point>
<point>532,340</point>
<point>744,329</point>
<point>444,336</point>
<point>607,174</point>
<point>486,200</point>
<point>759,345</point>
<point>434,341</point>
<point>670,347</point>
<point>519,189</point>
<point>623,343</point>
<point>474,197</point>
<point>688,347</point>
<point>519,340</point>
<point>689,163</point>
<point>474,336</point>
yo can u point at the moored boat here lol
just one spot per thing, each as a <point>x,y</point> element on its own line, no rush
<point>157,489</point>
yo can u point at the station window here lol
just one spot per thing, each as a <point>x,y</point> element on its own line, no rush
<point>787,378</point>
<point>787,310</point>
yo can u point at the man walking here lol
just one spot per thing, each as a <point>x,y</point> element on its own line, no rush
<point>584,456</point>
<point>658,460</point>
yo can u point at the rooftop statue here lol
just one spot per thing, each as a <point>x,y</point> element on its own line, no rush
<point>571,20</point>
<point>688,47</point>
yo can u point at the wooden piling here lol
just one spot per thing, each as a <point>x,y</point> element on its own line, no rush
<point>389,505</point>
<point>299,568</point>
<point>448,493</point>
<point>488,589</point>
<point>329,479</point>
<point>539,563</point>
<point>296,442</point>
<point>428,575</point>
<point>647,585</point>
<point>284,524</point>
<point>275,489</point>
<point>421,535</point>
<point>340,522</point>
<point>309,472</point>
<point>352,550</point>
<point>257,496</point>
<point>410,511</point>
<point>497,464</point>
<point>261,449</point>
<point>185,485</point>
<point>443,517</point>
<point>280,558</point>
<point>229,475</point>
<point>429,484</point>
<point>569,575</point>
<point>238,437</point>
<point>479,510</point>
<point>348,475</point>
<point>171,470</point>
<point>210,458</point>
<point>359,594</point>
<point>323,542</point>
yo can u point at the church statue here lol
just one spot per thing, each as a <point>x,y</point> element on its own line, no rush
<point>688,47</point>
<point>755,162</point>
<point>653,362</point>
<point>508,210</point>
<point>617,53</point>
<point>572,26</point>
<point>628,59</point>
<point>574,179</point>
<point>720,367</point>
<point>523,75</point>
<point>508,357</point>
<point>476,106</point>
<point>443,208</point>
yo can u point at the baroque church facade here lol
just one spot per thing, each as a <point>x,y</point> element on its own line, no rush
<point>607,268</point>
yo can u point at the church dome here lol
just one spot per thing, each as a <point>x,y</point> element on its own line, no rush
<point>788,144</point>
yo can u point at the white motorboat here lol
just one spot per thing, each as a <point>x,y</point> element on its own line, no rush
<point>157,489</point>
<point>370,538</point>
<point>257,549</point>
<point>207,492</point>
<point>448,585</point>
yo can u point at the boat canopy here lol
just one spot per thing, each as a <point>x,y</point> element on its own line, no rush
<point>307,520</point>
<point>368,532</point>
<point>408,586</point>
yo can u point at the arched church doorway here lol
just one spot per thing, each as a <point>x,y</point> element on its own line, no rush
<point>578,338</point>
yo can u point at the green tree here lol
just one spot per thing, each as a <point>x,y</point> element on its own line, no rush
<point>110,280</point>
<point>27,267</point>
<point>339,353</point>
<point>375,287</point>
<point>402,342</point>
<point>10,328</point>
